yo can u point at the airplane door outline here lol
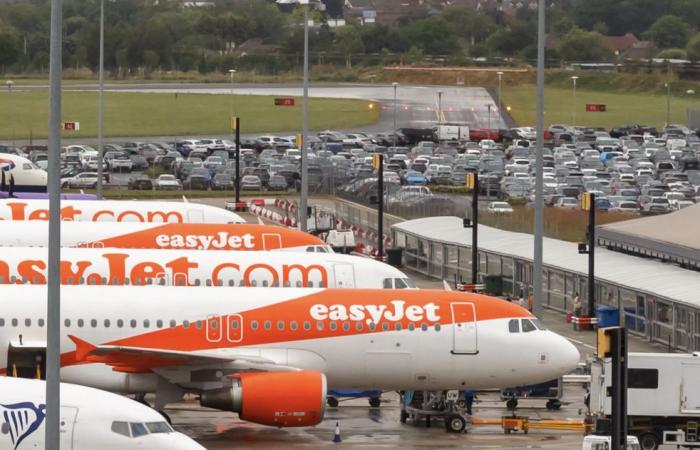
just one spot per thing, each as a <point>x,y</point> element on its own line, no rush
<point>272,241</point>
<point>464,329</point>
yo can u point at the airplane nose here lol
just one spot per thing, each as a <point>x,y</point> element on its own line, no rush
<point>568,356</point>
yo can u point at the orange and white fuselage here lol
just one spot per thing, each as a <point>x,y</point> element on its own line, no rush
<point>117,211</point>
<point>162,236</point>
<point>109,266</point>
<point>130,339</point>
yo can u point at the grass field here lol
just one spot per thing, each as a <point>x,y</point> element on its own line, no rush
<point>25,113</point>
<point>622,108</point>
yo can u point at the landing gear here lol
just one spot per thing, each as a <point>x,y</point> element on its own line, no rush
<point>512,404</point>
<point>553,405</point>
<point>332,402</point>
<point>455,424</point>
<point>374,402</point>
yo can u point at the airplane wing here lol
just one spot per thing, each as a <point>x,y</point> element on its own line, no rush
<point>143,360</point>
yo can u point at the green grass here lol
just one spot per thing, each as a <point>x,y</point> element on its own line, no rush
<point>25,113</point>
<point>622,108</point>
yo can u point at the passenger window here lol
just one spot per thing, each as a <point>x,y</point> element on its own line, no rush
<point>528,326</point>
<point>41,322</point>
<point>27,322</point>
<point>173,323</point>
<point>319,325</point>
<point>424,327</point>
<point>106,323</point>
<point>514,326</point>
<point>120,323</point>
<point>264,283</point>
<point>234,324</point>
<point>280,325</point>
<point>372,326</point>
<point>437,327</point>
<point>385,326</point>
<point>133,323</point>
<point>346,326</point>
<point>411,326</point>
<point>159,323</point>
<point>198,324</point>
<point>387,283</point>
<point>358,326</point>
<point>307,325</point>
<point>213,324</point>
<point>254,325</point>
<point>267,325</point>
<point>81,322</point>
<point>138,429</point>
<point>2,322</point>
<point>293,325</point>
<point>66,323</point>
<point>93,323</point>
<point>333,326</point>
<point>121,428</point>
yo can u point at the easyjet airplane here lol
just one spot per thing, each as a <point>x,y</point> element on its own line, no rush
<point>117,211</point>
<point>107,266</point>
<point>270,354</point>
<point>90,419</point>
<point>179,236</point>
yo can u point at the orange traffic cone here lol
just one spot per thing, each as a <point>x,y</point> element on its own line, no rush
<point>336,436</point>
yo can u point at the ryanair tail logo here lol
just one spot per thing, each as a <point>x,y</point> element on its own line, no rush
<point>20,420</point>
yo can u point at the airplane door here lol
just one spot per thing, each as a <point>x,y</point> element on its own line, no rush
<point>344,276</point>
<point>195,216</point>
<point>272,241</point>
<point>464,329</point>
<point>69,415</point>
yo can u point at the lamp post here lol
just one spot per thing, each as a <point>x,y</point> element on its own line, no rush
<point>9,84</point>
<point>500,80</point>
<point>101,102</point>
<point>488,107</point>
<point>539,163</point>
<point>439,93</point>
<point>667,85</point>
<point>232,72</point>
<point>573,110</point>
<point>304,213</point>
<point>395,85</point>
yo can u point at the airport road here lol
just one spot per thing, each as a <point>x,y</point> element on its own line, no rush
<point>416,106</point>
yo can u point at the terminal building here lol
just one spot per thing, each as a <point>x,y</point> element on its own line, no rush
<point>643,268</point>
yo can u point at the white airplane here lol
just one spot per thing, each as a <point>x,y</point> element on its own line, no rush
<point>90,419</point>
<point>25,175</point>
<point>269,354</point>
<point>117,211</point>
<point>107,266</point>
<point>178,236</point>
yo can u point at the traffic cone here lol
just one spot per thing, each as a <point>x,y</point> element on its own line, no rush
<point>336,436</point>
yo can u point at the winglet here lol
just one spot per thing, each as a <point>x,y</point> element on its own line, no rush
<point>82,348</point>
<point>446,285</point>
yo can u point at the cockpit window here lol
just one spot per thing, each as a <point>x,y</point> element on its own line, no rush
<point>310,249</point>
<point>158,427</point>
<point>514,326</point>
<point>399,283</point>
<point>138,429</point>
<point>528,326</point>
<point>121,428</point>
<point>320,249</point>
<point>388,283</point>
<point>538,324</point>
<point>408,282</point>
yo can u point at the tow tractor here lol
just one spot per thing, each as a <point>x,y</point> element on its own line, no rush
<point>444,405</point>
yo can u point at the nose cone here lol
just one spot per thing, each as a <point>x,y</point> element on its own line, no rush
<point>567,356</point>
<point>181,442</point>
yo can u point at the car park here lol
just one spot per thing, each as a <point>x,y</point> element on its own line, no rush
<point>251,183</point>
<point>166,182</point>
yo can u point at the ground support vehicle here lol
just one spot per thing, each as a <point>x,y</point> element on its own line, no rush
<point>443,405</point>
<point>551,391</point>
<point>663,398</point>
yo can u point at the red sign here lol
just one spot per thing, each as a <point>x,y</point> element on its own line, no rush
<point>285,101</point>
<point>595,107</point>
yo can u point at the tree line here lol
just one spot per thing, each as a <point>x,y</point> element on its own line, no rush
<point>148,35</point>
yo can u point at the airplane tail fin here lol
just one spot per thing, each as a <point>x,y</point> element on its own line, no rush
<point>446,285</point>
<point>82,348</point>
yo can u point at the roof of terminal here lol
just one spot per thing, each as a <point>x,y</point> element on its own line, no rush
<point>672,236</point>
<point>647,275</point>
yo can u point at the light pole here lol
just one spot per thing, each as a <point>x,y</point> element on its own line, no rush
<point>573,110</point>
<point>232,72</point>
<point>439,93</point>
<point>9,84</point>
<point>304,216</point>
<point>395,85</point>
<point>101,102</point>
<point>667,85</point>
<point>488,107</point>
<point>539,163</point>
<point>500,80</point>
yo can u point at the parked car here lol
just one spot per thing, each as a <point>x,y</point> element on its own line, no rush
<point>567,202</point>
<point>81,181</point>
<point>277,183</point>
<point>500,207</point>
<point>251,183</point>
<point>121,163</point>
<point>198,178</point>
<point>140,182</point>
<point>167,182</point>
<point>222,182</point>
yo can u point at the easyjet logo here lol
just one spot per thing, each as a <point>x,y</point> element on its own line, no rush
<point>394,311</point>
<point>121,268</point>
<point>217,241</point>
<point>20,211</point>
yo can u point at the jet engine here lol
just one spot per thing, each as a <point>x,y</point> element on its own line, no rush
<point>280,399</point>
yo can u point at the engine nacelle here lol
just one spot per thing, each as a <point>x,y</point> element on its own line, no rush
<point>280,399</point>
